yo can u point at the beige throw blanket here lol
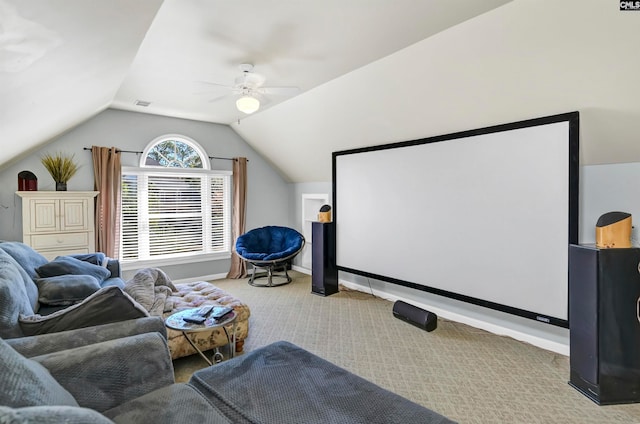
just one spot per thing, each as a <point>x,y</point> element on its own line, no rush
<point>151,288</point>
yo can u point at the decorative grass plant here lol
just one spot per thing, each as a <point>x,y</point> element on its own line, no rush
<point>61,167</point>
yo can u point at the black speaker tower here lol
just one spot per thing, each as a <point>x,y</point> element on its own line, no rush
<point>324,271</point>
<point>604,321</point>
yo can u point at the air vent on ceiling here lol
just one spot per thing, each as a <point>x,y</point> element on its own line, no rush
<point>142,103</point>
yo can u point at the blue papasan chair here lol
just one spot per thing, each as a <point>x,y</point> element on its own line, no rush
<point>270,248</point>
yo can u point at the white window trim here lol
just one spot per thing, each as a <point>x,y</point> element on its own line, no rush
<point>206,165</point>
<point>187,257</point>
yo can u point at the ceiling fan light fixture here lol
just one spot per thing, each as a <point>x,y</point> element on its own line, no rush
<point>247,104</point>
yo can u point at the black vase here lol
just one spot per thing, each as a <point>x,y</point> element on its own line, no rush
<point>61,186</point>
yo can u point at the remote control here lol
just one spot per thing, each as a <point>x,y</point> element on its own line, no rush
<point>205,310</point>
<point>194,319</point>
<point>221,312</point>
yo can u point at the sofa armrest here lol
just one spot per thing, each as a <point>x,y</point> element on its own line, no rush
<point>104,375</point>
<point>107,305</point>
<point>51,414</point>
<point>54,342</point>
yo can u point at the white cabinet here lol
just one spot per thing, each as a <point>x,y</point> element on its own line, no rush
<point>58,222</point>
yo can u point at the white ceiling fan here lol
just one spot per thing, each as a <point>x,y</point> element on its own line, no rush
<point>249,86</point>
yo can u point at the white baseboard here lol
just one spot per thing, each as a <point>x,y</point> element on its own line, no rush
<point>224,275</point>
<point>557,346</point>
<point>301,269</point>
<point>201,278</point>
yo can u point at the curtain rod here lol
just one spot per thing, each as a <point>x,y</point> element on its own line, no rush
<point>117,150</point>
<point>139,153</point>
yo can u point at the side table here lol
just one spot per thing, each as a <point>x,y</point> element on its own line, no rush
<point>176,322</point>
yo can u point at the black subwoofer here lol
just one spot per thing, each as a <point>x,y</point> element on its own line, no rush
<point>604,321</point>
<point>415,316</point>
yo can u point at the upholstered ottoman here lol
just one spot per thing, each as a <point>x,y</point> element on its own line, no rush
<point>283,383</point>
<point>194,295</point>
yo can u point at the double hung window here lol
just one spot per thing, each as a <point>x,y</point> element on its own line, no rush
<point>173,206</point>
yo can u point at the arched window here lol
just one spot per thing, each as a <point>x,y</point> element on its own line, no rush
<point>174,151</point>
<point>174,207</point>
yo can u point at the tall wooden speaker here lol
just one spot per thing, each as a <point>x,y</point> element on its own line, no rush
<point>604,321</point>
<point>324,271</point>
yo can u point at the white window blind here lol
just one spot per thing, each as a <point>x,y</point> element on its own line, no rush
<point>170,213</point>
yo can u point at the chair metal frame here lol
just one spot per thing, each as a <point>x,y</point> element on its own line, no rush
<point>272,268</point>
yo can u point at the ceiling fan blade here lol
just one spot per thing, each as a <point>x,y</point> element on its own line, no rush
<point>215,84</point>
<point>215,99</point>
<point>264,100</point>
<point>252,80</point>
<point>280,91</point>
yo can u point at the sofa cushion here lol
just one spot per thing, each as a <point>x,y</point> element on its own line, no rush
<point>174,403</point>
<point>27,383</point>
<point>14,300</point>
<point>51,415</point>
<point>63,265</point>
<point>109,304</point>
<point>66,289</point>
<point>66,340</point>
<point>26,259</point>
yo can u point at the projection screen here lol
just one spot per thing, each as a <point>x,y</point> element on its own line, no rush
<point>482,216</point>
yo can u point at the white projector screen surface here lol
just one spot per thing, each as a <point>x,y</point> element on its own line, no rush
<point>484,216</point>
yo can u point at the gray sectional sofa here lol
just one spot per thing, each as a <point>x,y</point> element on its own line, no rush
<point>93,375</point>
<point>38,296</point>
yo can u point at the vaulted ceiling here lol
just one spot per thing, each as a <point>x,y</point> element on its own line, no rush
<point>368,71</point>
<point>64,61</point>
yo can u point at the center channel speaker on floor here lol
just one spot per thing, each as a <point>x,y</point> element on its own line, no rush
<point>415,316</point>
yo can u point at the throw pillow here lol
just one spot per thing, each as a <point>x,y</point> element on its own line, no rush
<point>109,304</point>
<point>97,258</point>
<point>63,265</point>
<point>27,383</point>
<point>66,289</point>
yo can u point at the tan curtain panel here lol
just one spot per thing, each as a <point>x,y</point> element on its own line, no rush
<point>107,175</point>
<point>238,267</point>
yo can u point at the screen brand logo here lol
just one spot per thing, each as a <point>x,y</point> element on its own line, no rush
<point>543,319</point>
<point>629,5</point>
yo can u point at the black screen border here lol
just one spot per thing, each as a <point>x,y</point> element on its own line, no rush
<point>573,118</point>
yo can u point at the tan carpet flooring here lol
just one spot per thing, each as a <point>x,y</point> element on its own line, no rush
<point>466,374</point>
